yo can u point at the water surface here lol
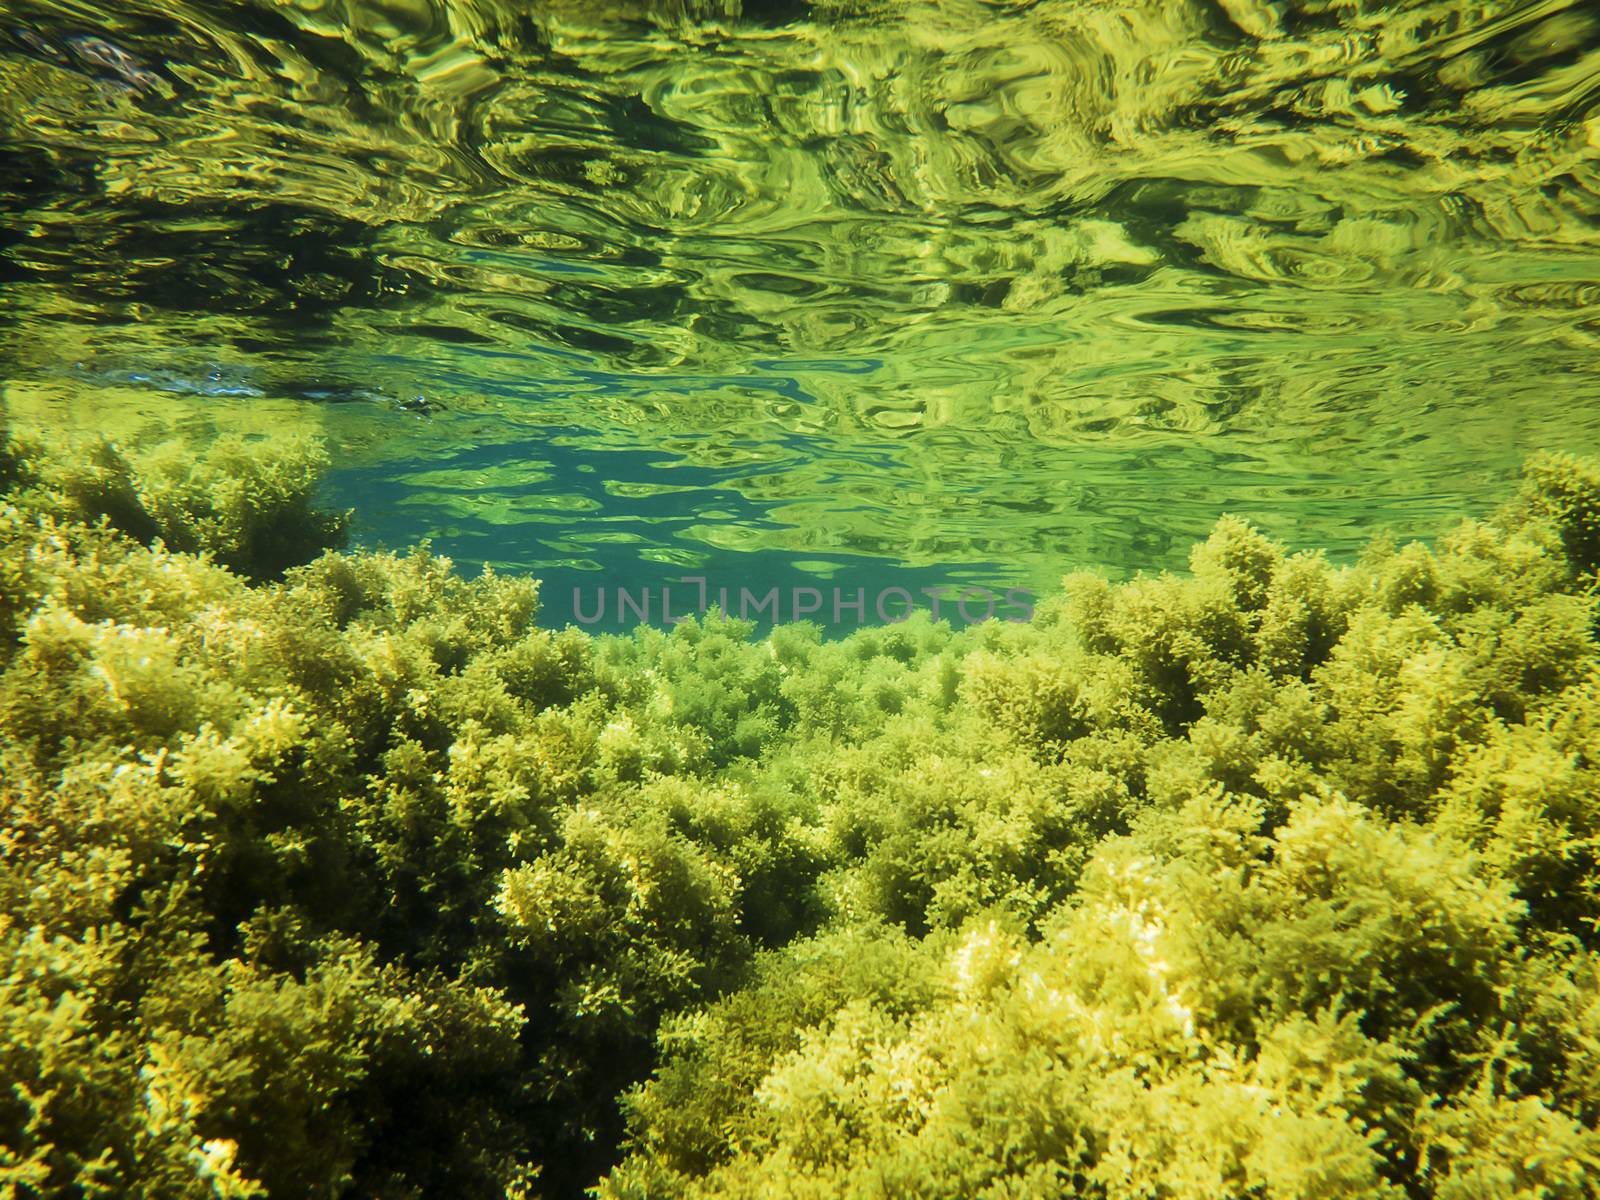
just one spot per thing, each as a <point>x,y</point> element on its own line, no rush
<point>850,293</point>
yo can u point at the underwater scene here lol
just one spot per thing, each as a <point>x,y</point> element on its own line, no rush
<point>688,599</point>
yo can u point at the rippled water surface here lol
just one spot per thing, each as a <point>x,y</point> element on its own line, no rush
<point>846,291</point>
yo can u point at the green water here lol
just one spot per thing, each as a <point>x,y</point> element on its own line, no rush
<point>843,294</point>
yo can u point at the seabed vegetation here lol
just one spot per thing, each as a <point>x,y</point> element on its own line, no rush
<point>335,874</point>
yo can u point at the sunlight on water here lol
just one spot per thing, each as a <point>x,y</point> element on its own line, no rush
<point>854,293</point>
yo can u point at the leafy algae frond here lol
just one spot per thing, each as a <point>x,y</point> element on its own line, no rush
<point>335,874</point>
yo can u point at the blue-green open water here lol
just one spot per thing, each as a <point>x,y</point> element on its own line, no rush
<point>840,295</point>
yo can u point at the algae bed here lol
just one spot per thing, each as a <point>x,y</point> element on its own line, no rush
<point>350,350</point>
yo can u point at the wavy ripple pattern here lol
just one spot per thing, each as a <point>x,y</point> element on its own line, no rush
<point>936,282</point>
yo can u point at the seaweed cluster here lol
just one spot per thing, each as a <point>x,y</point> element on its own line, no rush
<point>334,874</point>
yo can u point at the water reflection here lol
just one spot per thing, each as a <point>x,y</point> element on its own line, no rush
<point>945,283</point>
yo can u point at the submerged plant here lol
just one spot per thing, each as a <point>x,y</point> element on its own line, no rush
<point>334,874</point>
<point>250,505</point>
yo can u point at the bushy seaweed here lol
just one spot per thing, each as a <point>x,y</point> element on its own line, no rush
<point>248,504</point>
<point>333,874</point>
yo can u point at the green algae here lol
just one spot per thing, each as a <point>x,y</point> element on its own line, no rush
<point>1273,879</point>
<point>246,504</point>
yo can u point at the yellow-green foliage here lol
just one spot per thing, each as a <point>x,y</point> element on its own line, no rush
<point>346,879</point>
<point>248,504</point>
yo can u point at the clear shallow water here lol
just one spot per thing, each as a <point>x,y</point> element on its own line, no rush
<point>813,295</point>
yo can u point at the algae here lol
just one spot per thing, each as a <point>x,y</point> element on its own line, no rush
<point>329,873</point>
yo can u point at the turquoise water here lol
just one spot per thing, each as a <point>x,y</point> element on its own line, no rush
<point>815,296</point>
